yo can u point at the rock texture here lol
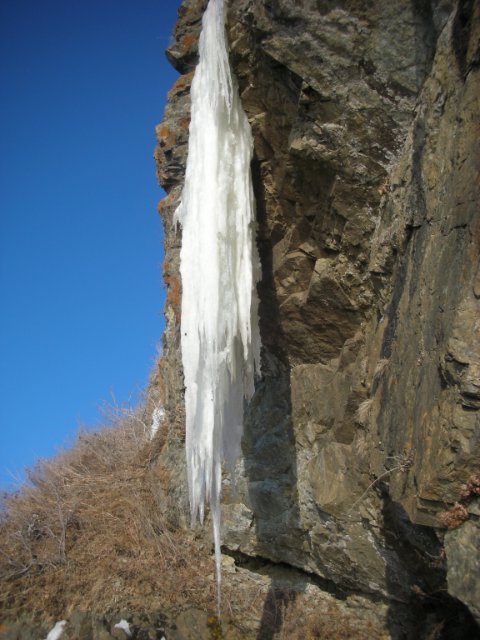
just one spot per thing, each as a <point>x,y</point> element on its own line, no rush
<point>365,424</point>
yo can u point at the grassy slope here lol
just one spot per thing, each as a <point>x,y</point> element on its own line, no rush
<point>87,531</point>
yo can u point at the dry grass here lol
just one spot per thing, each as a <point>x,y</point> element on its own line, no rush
<point>362,415</point>
<point>86,531</point>
<point>328,620</point>
<point>331,624</point>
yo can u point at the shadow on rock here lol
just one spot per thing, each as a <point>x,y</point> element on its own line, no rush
<point>269,447</point>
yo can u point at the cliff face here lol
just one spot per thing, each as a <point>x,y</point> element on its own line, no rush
<point>365,425</point>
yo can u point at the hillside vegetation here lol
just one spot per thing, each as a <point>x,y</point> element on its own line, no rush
<point>87,530</point>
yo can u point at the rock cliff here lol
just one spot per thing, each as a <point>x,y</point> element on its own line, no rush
<point>361,454</point>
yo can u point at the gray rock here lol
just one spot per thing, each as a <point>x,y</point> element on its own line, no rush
<point>462,547</point>
<point>365,424</point>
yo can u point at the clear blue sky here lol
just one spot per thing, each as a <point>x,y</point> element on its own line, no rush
<point>83,83</point>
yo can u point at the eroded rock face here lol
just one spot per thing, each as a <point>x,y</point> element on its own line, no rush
<point>461,546</point>
<point>365,424</point>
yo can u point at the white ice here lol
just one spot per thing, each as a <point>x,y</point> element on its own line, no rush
<point>56,632</point>
<point>219,269</point>
<point>123,624</point>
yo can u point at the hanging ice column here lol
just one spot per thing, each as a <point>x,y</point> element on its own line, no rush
<point>219,270</point>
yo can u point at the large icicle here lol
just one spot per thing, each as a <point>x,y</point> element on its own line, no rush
<point>219,268</point>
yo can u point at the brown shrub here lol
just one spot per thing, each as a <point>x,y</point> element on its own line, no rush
<point>454,517</point>
<point>458,513</point>
<point>86,531</point>
<point>472,487</point>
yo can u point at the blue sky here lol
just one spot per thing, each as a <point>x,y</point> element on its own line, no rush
<point>83,84</point>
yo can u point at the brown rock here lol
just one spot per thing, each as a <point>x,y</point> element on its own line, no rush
<point>365,425</point>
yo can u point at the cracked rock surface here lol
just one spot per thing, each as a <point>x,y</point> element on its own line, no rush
<point>365,424</point>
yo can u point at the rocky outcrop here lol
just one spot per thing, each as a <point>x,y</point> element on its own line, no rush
<point>365,424</point>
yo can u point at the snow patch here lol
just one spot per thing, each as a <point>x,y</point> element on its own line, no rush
<point>124,626</point>
<point>57,631</point>
<point>158,416</point>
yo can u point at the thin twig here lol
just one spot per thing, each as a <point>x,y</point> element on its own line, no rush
<point>404,466</point>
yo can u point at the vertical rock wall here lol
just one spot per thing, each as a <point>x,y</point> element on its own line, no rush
<point>365,424</point>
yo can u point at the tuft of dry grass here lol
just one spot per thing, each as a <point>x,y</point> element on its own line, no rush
<point>328,621</point>
<point>362,414</point>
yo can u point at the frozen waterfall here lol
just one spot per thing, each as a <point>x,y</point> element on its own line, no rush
<point>219,269</point>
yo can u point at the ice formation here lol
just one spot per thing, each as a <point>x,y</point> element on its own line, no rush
<point>219,269</point>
